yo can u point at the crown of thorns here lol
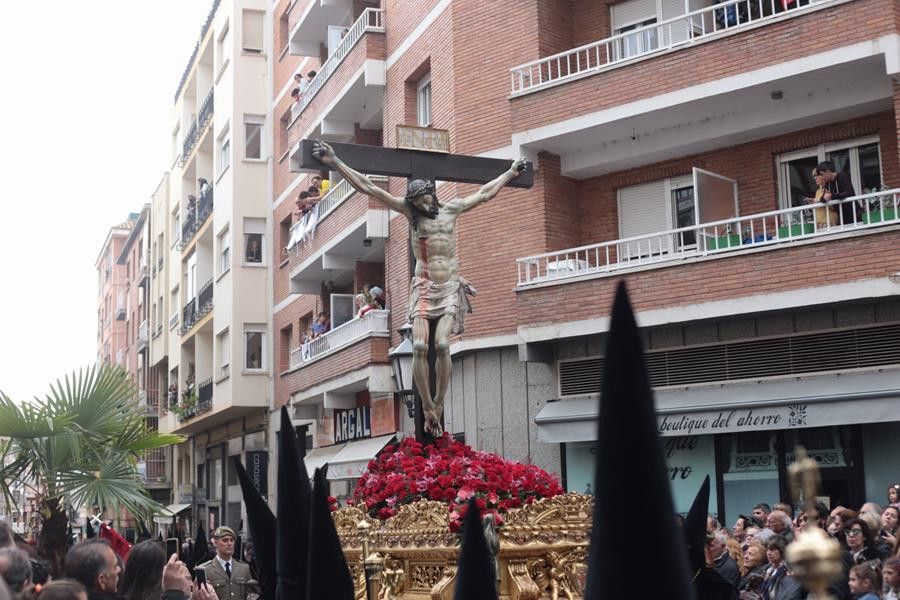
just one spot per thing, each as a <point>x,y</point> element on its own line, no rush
<point>418,187</point>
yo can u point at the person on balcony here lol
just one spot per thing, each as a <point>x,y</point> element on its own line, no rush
<point>314,194</point>
<point>192,205</point>
<point>838,186</point>
<point>322,324</point>
<point>826,216</point>
<point>303,205</point>
<point>295,94</point>
<point>316,182</point>
<point>204,187</point>
<point>363,305</point>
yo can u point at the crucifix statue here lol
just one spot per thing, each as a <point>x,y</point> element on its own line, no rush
<point>438,298</point>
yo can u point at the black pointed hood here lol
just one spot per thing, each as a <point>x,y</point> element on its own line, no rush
<point>332,578</point>
<point>143,533</point>
<point>475,577</point>
<point>89,528</point>
<point>292,515</point>
<point>695,527</point>
<point>263,531</point>
<point>630,477</point>
<point>201,546</point>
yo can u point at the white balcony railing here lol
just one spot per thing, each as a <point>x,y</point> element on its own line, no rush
<point>305,228</point>
<point>778,227</point>
<point>173,320</point>
<point>374,322</point>
<point>371,20</point>
<point>689,28</point>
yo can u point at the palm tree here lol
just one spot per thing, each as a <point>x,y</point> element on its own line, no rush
<point>78,447</point>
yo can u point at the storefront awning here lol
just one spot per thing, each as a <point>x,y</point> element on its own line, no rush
<point>818,401</point>
<point>170,512</point>
<point>352,460</point>
<point>318,457</point>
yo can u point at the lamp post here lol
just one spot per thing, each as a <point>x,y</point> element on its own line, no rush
<point>401,365</point>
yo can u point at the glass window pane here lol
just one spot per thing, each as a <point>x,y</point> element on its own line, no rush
<point>801,184</point>
<point>841,160</point>
<point>252,137</point>
<point>253,253</point>
<point>869,168</point>
<point>750,471</point>
<point>254,349</point>
<point>685,214</point>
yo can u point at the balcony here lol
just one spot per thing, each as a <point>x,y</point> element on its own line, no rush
<point>121,310</point>
<point>764,231</point>
<point>695,27</point>
<point>196,219</point>
<point>192,406</point>
<point>154,466</point>
<point>197,128</point>
<point>370,21</point>
<point>173,320</point>
<point>196,308</point>
<point>616,121</point>
<point>374,323</point>
<point>157,330</point>
<point>142,336</point>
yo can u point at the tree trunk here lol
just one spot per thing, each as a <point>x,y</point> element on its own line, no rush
<point>54,533</point>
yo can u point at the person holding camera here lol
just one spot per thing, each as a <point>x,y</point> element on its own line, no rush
<point>229,577</point>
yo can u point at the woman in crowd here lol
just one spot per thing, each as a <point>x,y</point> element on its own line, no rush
<point>143,571</point>
<point>739,530</point>
<point>755,566</point>
<point>776,570</point>
<point>893,493</point>
<point>865,581</point>
<point>860,542</point>
<point>837,523</point>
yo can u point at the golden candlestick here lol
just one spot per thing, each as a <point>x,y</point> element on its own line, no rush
<point>814,557</point>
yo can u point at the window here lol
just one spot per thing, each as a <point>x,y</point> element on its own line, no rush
<point>685,213</point>
<point>222,49</point>
<point>224,342</point>
<point>252,40</point>
<point>423,101</point>
<point>638,43</point>
<point>254,347</point>
<point>224,151</point>
<point>861,158</point>
<point>253,131</point>
<point>176,228</point>
<point>224,251</point>
<point>253,240</point>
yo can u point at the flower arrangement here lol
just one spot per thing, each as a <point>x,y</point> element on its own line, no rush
<point>451,472</point>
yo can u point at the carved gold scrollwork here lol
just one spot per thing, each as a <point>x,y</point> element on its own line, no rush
<point>443,589</point>
<point>422,523</point>
<point>521,584</point>
<point>393,579</point>
<point>563,518</point>
<point>346,521</point>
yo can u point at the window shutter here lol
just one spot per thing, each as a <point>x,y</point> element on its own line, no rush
<point>253,30</point>
<point>670,10</point>
<point>642,210</point>
<point>633,11</point>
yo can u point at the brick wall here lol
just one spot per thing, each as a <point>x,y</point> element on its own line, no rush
<point>823,263</point>
<point>372,350</point>
<point>768,45</point>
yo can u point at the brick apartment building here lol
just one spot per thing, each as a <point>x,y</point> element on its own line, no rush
<point>210,309</point>
<point>673,144</point>
<point>111,296</point>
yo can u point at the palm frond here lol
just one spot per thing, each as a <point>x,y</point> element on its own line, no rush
<point>28,420</point>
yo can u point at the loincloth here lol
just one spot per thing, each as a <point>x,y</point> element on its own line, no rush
<point>430,300</point>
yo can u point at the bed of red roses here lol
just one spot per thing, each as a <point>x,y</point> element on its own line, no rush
<point>451,472</point>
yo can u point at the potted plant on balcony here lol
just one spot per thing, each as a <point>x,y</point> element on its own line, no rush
<point>187,406</point>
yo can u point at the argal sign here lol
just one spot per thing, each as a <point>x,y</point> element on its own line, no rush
<point>353,424</point>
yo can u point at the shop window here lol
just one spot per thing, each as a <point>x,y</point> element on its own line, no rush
<point>749,470</point>
<point>861,158</point>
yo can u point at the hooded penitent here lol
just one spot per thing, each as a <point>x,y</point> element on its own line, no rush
<point>263,531</point>
<point>630,479</point>
<point>293,515</point>
<point>708,583</point>
<point>329,574</point>
<point>475,578</point>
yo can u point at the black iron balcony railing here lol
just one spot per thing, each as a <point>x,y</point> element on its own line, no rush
<point>206,111</point>
<point>188,228</point>
<point>205,299</point>
<point>188,315</point>
<point>190,139</point>
<point>204,207</point>
<point>205,396</point>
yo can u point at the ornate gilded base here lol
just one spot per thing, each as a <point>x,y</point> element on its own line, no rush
<point>543,550</point>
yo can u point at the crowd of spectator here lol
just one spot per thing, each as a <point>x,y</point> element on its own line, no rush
<point>752,554</point>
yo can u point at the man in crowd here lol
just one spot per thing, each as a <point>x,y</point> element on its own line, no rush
<point>760,513</point>
<point>228,576</point>
<point>15,568</point>
<point>838,186</point>
<point>780,523</point>
<point>93,564</point>
<point>724,564</point>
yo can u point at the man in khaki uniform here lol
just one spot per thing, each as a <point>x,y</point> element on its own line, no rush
<point>228,576</point>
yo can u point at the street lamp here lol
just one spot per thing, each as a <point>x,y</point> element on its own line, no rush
<point>401,364</point>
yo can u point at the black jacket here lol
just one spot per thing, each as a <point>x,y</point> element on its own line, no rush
<point>728,569</point>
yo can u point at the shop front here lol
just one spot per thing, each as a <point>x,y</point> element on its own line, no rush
<point>744,436</point>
